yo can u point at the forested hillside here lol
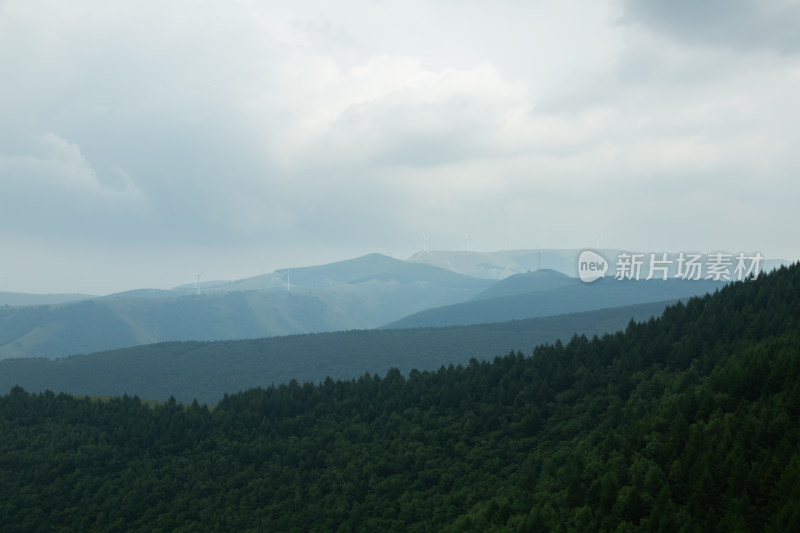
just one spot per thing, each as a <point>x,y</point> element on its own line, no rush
<point>688,422</point>
<point>573,296</point>
<point>207,370</point>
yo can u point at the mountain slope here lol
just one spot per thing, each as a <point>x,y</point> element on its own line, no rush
<point>19,299</point>
<point>371,267</point>
<point>573,296</point>
<point>526,283</point>
<point>501,264</point>
<point>357,294</point>
<point>688,422</point>
<point>206,371</point>
<point>504,263</point>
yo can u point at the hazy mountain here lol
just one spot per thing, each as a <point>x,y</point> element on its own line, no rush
<point>20,298</point>
<point>357,294</point>
<point>573,296</point>
<point>501,264</point>
<point>207,370</point>
<point>526,283</point>
<point>360,293</point>
<point>371,267</point>
<point>685,422</point>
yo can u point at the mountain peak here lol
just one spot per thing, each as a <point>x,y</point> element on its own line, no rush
<point>527,282</point>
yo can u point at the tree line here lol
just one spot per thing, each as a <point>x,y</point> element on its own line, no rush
<point>687,422</point>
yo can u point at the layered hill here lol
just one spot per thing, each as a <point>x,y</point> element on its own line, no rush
<point>686,422</point>
<point>548,293</point>
<point>504,263</point>
<point>356,294</point>
<point>361,293</point>
<point>527,283</point>
<point>501,264</point>
<point>207,370</point>
<point>19,299</point>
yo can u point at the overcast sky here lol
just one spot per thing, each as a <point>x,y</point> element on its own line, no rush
<point>144,141</point>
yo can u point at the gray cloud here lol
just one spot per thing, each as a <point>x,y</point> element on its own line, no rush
<point>156,137</point>
<point>736,24</point>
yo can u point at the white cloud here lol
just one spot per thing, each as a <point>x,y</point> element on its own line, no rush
<point>392,112</point>
<point>311,127</point>
<point>60,166</point>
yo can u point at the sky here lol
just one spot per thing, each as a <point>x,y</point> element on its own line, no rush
<point>143,142</point>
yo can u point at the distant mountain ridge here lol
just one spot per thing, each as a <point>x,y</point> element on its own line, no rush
<point>361,293</point>
<point>504,263</point>
<point>17,299</point>
<point>529,282</point>
<point>573,296</point>
<point>208,370</point>
<point>685,422</point>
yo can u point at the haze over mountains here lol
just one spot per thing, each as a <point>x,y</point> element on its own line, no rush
<point>501,264</point>
<point>684,422</point>
<point>430,289</point>
<point>357,294</point>
<point>552,298</point>
<point>20,298</point>
<point>207,370</point>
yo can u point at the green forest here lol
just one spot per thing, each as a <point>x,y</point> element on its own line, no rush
<point>205,371</point>
<point>686,422</point>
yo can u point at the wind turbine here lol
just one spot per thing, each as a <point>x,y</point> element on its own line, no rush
<point>197,283</point>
